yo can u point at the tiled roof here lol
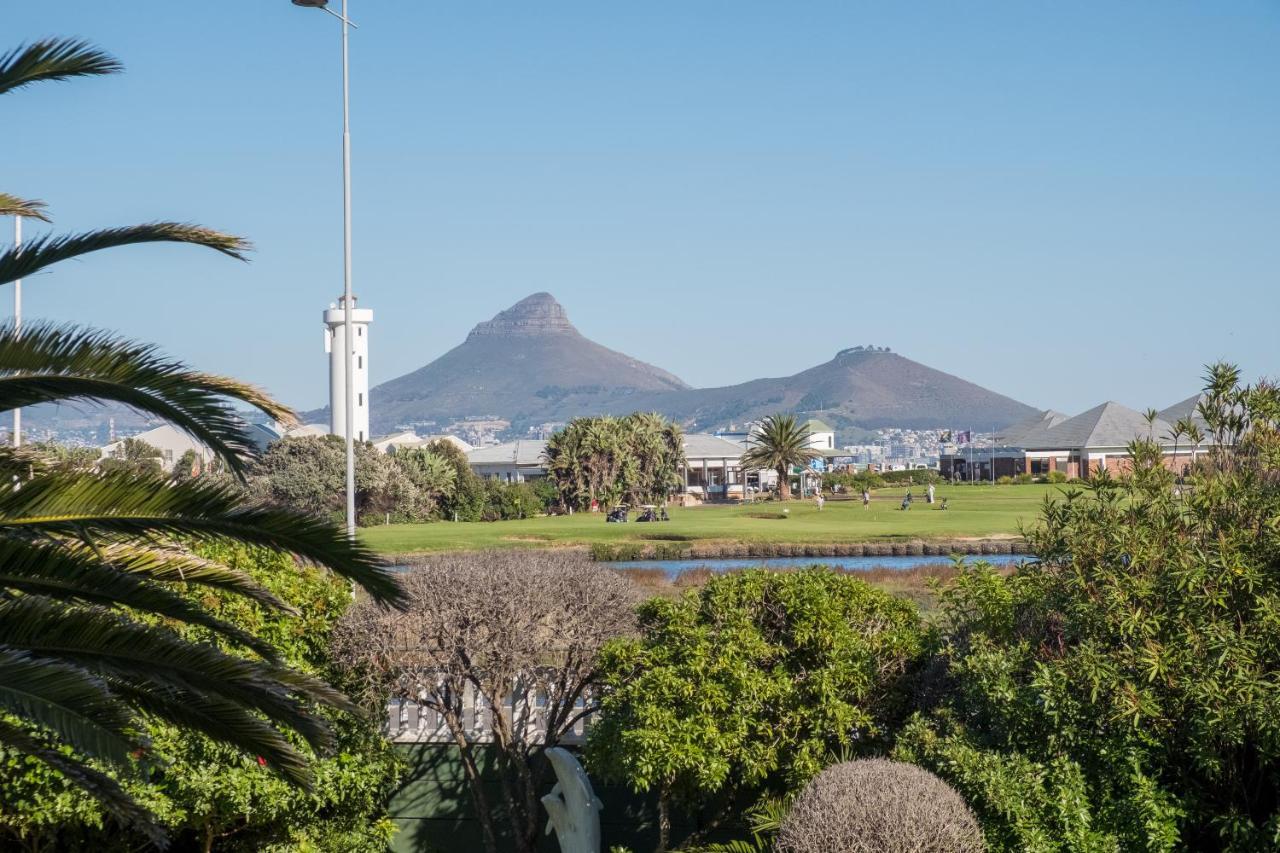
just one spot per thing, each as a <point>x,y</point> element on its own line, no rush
<point>1107,425</point>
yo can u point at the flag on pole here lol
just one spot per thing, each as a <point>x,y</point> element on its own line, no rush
<point>964,436</point>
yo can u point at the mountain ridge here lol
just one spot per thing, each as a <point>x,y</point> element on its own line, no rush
<point>530,365</point>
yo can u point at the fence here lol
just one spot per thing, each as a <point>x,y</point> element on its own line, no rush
<point>408,721</point>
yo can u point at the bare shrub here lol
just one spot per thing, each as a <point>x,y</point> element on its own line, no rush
<point>520,629</point>
<point>879,806</point>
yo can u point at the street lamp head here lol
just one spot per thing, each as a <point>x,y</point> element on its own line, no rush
<point>311,4</point>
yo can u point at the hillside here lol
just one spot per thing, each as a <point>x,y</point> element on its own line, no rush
<point>526,365</point>
<point>859,388</point>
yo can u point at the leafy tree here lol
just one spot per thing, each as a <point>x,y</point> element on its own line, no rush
<point>309,474</point>
<point>606,459</point>
<point>206,795</point>
<point>779,444</point>
<point>466,501</point>
<point>134,456</point>
<point>744,687</point>
<point>94,565</point>
<point>1121,692</point>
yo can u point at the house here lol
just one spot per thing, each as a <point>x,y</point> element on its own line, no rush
<point>821,436</point>
<point>410,439</point>
<point>173,443</point>
<point>712,464</point>
<point>1078,446</point>
<point>513,462</point>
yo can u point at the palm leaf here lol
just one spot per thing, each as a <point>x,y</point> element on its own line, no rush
<point>166,564</point>
<point>98,784</point>
<point>69,504</point>
<point>48,363</point>
<point>33,256</point>
<point>75,573</point>
<point>218,719</point>
<point>69,702</point>
<point>106,641</point>
<point>53,59</point>
<point>11,205</point>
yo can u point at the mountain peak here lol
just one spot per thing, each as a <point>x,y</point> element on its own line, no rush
<point>537,314</point>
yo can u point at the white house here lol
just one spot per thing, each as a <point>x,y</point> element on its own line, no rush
<point>409,439</point>
<point>513,462</point>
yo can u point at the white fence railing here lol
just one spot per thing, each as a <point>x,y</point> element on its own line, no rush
<point>409,721</point>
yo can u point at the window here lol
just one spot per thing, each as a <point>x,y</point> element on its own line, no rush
<point>360,362</point>
<point>359,331</point>
<point>360,399</point>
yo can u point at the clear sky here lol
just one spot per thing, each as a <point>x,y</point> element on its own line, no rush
<point>1065,202</point>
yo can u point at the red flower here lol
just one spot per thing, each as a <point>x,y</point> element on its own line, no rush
<point>262,762</point>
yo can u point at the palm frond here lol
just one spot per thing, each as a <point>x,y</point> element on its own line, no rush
<point>102,787</point>
<point>69,504</point>
<point>49,363</point>
<point>72,572</point>
<point>166,564</point>
<point>125,652</point>
<point>11,205</point>
<point>44,251</point>
<point>53,59</point>
<point>69,702</point>
<point>219,719</point>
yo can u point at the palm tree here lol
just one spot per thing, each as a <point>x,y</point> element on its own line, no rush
<point>92,565</point>
<point>780,443</point>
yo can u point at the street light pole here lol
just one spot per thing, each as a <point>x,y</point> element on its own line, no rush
<point>17,322</point>
<point>348,339</point>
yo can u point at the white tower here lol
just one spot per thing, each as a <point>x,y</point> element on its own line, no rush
<point>334,341</point>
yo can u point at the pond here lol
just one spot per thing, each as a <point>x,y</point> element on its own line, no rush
<point>904,563</point>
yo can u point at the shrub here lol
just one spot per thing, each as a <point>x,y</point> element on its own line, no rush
<point>1004,481</point>
<point>1023,479</point>
<point>1119,692</point>
<point>1056,477</point>
<point>879,806</point>
<point>746,686</point>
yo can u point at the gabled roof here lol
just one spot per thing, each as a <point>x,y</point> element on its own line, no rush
<point>1107,425</point>
<point>815,425</point>
<point>524,452</point>
<point>1032,428</point>
<point>1188,408</point>
<point>701,445</point>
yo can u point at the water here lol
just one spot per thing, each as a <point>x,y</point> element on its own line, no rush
<point>674,567</point>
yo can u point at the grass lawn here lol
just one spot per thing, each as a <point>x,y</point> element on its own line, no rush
<point>975,511</point>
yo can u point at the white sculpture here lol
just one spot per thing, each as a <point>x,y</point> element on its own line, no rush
<point>573,805</point>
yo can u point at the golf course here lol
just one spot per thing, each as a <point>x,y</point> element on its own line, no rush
<point>973,511</point>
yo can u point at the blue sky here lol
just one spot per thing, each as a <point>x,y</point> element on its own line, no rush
<point>1065,202</point>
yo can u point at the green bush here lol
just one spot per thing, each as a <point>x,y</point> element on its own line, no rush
<point>1056,477</point>
<point>1004,481</point>
<point>1120,693</point>
<point>1023,479</point>
<point>200,789</point>
<point>745,686</point>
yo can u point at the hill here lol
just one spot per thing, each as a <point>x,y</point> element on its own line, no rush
<point>861,388</point>
<point>527,365</point>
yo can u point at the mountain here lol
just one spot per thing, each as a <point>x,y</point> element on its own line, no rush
<point>528,365</point>
<point>861,388</point>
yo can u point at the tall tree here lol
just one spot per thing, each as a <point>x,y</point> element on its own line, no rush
<point>780,443</point>
<point>93,563</point>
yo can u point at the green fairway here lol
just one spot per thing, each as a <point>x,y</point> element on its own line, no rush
<point>975,511</point>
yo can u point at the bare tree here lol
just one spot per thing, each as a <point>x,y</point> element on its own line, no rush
<point>520,630</point>
<point>879,806</point>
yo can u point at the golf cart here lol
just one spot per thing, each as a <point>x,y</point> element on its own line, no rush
<point>618,515</point>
